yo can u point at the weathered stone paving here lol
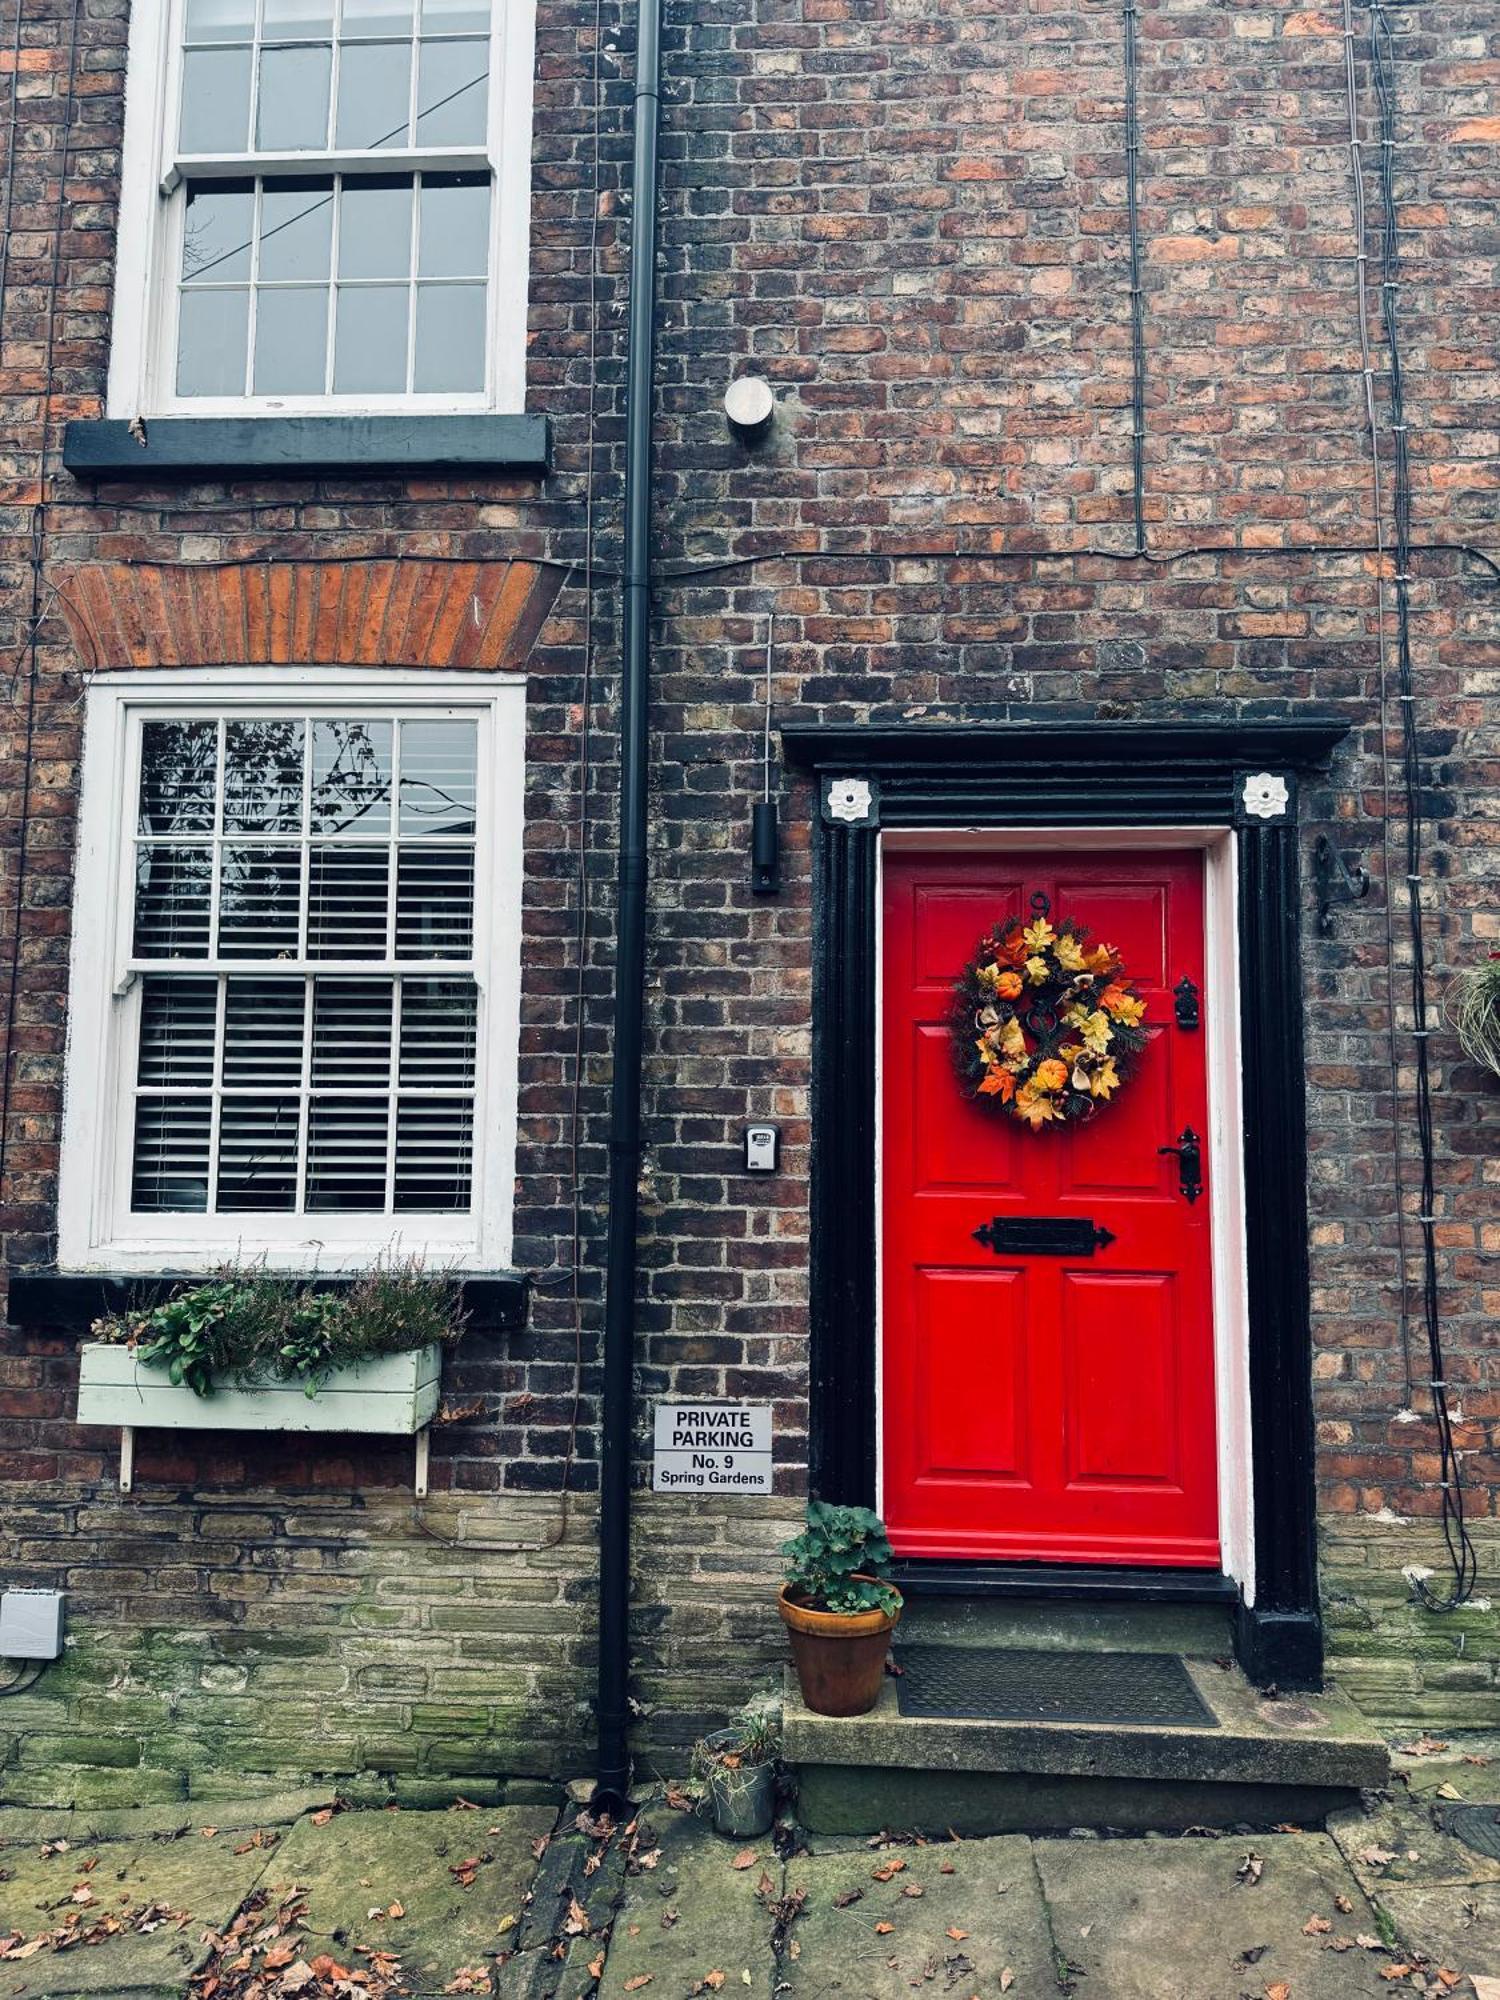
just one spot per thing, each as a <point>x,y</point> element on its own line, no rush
<point>297,1899</point>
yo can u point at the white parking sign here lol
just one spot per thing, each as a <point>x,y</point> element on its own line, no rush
<point>712,1448</point>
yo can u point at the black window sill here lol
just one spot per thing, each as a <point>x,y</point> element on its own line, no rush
<point>182,447</point>
<point>60,1301</point>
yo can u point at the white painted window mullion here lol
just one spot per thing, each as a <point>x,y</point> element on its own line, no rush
<point>216,1084</point>
<point>216,861</point>
<point>304,1095</point>
<point>392,1085</point>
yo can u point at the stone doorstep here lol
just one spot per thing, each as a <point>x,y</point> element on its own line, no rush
<point>1318,1741</point>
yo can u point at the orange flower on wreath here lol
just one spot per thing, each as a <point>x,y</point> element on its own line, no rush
<point>998,1083</point>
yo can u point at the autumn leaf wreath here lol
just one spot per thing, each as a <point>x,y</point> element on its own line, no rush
<point>1046,1025</point>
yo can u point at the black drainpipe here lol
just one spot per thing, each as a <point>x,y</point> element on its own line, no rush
<point>613,1781</point>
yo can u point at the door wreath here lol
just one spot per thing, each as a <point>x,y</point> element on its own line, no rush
<point>1046,1025</point>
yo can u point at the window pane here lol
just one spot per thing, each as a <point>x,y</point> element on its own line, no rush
<point>346,1153</point>
<point>352,1034</point>
<point>455,17</point>
<point>219,21</point>
<point>450,337</point>
<point>377,17</point>
<point>177,1033</point>
<point>452,101</point>
<point>347,896</point>
<point>179,763</point>
<point>455,226</point>
<point>257,1154</point>
<point>263,1029</point>
<point>438,777</point>
<point>220,220</point>
<point>263,777</point>
<point>351,777</point>
<point>370,340</point>
<point>215,101</point>
<point>375,228</point>
<point>170,1167</point>
<point>296,230</point>
<point>435,902</point>
<point>171,901</point>
<point>291,341</point>
<point>297,20</point>
<point>437,1033</point>
<point>293,103</point>
<point>374,95</point>
<point>434,1153</point>
<point>259,895</point>
<point>213,332</point>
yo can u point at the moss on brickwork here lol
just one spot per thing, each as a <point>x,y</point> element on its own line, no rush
<point>1402,1663</point>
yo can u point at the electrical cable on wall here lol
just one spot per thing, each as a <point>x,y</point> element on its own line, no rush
<point>1457,1541</point>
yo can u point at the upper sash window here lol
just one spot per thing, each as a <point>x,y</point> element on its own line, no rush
<point>327,198</point>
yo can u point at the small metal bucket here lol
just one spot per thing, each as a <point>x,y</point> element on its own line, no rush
<point>743,1798</point>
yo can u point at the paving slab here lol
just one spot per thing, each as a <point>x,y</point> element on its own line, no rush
<point>201,1882</point>
<point>695,1913</point>
<point>960,1914</point>
<point>358,1862</point>
<point>1400,1839</point>
<point>1158,1919</point>
<point>1454,1927</point>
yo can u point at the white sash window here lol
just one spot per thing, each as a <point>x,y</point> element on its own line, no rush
<point>324,207</point>
<point>295,970</point>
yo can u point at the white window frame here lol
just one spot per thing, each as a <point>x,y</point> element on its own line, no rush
<point>143,347</point>
<point>96,1229</point>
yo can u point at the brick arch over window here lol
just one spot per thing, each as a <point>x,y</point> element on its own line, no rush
<point>411,612</point>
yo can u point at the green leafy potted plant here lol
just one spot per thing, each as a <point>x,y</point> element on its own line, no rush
<point>738,1768</point>
<point>839,1607</point>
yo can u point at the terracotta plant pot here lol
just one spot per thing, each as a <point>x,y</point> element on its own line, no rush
<point>839,1655</point>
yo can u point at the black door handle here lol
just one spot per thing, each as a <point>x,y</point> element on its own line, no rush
<point>1189,1163</point>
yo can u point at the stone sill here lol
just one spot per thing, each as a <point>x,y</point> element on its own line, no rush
<point>495,1302</point>
<point>312,447</point>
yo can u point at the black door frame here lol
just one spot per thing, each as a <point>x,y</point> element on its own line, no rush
<point>1239,773</point>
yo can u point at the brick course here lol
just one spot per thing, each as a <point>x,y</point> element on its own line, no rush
<point>911,217</point>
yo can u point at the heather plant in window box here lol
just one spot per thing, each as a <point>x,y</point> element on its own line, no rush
<point>839,1607</point>
<point>251,1351</point>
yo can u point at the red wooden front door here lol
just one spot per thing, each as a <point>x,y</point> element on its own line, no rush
<point>1045,1408</point>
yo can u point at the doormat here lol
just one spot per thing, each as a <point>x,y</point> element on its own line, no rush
<point>1033,1684</point>
<point>1478,1827</point>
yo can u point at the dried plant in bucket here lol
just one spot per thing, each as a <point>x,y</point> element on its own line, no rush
<point>1472,1004</point>
<point>737,1766</point>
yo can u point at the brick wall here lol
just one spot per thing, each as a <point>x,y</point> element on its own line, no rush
<point>910,214</point>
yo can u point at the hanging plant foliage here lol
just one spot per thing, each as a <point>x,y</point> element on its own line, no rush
<point>1046,1024</point>
<point>1472,1004</point>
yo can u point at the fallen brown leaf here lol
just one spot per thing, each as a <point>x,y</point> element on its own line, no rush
<point>1250,1869</point>
<point>884,1929</point>
<point>888,1868</point>
<point>1317,1927</point>
<point>1343,1905</point>
<point>596,1966</point>
<point>576,1922</point>
<point>746,1858</point>
<point>322,1816</point>
<point>955,1933</point>
<point>1280,1991</point>
<point>847,1896</point>
<point>912,1889</point>
<point>641,1979</point>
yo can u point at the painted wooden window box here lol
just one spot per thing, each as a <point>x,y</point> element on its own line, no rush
<point>391,1395</point>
